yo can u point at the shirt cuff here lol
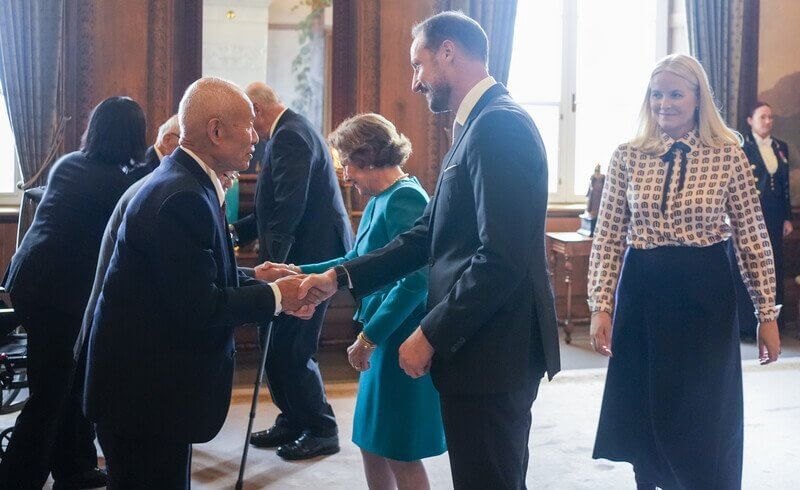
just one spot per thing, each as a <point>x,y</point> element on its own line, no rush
<point>769,314</point>
<point>349,281</point>
<point>278,298</point>
<point>596,306</point>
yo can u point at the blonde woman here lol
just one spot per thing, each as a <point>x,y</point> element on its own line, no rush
<point>673,197</point>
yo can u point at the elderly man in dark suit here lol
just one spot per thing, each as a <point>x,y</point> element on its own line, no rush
<point>299,217</point>
<point>490,331</point>
<point>160,354</point>
<point>166,142</point>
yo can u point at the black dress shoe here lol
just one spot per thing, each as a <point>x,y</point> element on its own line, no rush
<point>307,446</point>
<point>274,436</point>
<point>94,478</point>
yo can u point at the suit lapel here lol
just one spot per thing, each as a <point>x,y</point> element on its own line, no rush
<point>494,92</point>
<point>229,259</point>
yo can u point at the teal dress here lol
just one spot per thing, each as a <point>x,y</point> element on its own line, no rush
<point>396,416</point>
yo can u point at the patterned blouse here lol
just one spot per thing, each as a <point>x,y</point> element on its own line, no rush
<point>711,197</point>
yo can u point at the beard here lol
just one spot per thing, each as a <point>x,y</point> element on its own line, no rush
<point>438,97</point>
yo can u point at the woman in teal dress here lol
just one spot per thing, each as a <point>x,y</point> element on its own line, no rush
<point>397,419</point>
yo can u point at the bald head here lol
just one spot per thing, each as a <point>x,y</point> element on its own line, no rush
<point>168,135</point>
<point>216,121</point>
<point>267,106</point>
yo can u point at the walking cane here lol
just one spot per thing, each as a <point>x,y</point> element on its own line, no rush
<point>254,404</point>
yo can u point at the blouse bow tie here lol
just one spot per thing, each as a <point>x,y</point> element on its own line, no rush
<point>669,159</point>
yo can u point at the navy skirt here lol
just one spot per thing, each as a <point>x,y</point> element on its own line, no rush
<point>672,404</point>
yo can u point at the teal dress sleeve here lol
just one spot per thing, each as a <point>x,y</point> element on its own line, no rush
<point>323,266</point>
<point>403,208</point>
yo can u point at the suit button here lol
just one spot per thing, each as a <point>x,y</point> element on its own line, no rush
<point>752,167</point>
<point>758,192</point>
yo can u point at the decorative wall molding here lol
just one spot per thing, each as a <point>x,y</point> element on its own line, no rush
<point>159,74</point>
<point>368,45</point>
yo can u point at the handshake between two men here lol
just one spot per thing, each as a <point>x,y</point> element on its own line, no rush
<point>298,296</point>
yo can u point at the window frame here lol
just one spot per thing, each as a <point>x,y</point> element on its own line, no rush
<point>13,198</point>
<point>567,105</point>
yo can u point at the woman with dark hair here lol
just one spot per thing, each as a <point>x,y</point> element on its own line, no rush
<point>769,161</point>
<point>49,281</point>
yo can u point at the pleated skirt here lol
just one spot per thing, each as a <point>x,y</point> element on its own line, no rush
<point>672,404</point>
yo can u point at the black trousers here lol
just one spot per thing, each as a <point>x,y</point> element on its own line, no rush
<point>293,376</point>
<point>136,464</point>
<point>51,433</point>
<point>487,438</point>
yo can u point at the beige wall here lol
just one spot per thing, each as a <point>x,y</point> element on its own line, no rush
<point>779,69</point>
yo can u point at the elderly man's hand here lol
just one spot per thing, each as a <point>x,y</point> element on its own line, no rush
<point>416,354</point>
<point>270,271</point>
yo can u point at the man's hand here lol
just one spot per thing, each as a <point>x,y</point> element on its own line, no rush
<point>269,271</point>
<point>787,228</point>
<point>600,333</point>
<point>416,354</point>
<point>769,342</point>
<point>320,285</point>
<point>291,303</point>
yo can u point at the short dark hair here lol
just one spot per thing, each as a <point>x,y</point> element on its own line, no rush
<point>755,107</point>
<point>115,133</point>
<point>456,27</point>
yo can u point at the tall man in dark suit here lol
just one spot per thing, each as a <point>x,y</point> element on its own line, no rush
<point>160,354</point>
<point>490,332</point>
<point>299,217</point>
<point>166,142</point>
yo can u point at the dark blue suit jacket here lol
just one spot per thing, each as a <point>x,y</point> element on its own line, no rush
<point>161,351</point>
<point>773,189</point>
<point>299,215</point>
<point>490,304</point>
<point>56,260</point>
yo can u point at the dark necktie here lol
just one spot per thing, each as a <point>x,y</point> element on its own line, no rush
<point>669,158</point>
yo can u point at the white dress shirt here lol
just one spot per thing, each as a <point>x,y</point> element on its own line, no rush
<point>767,153</point>
<point>472,97</point>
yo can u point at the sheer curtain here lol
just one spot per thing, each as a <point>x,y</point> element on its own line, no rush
<point>31,72</point>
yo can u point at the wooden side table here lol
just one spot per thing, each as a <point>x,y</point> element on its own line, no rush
<point>569,266</point>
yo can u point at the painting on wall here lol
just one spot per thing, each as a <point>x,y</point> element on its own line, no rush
<point>779,76</point>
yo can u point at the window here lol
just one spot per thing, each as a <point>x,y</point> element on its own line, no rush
<point>580,68</point>
<point>8,154</point>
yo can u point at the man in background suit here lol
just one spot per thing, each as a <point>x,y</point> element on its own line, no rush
<point>300,218</point>
<point>490,331</point>
<point>166,142</point>
<point>160,354</point>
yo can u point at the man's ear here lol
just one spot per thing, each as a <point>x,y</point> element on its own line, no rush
<point>447,50</point>
<point>214,130</point>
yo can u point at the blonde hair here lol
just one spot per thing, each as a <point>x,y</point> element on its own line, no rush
<point>712,129</point>
<point>370,140</point>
